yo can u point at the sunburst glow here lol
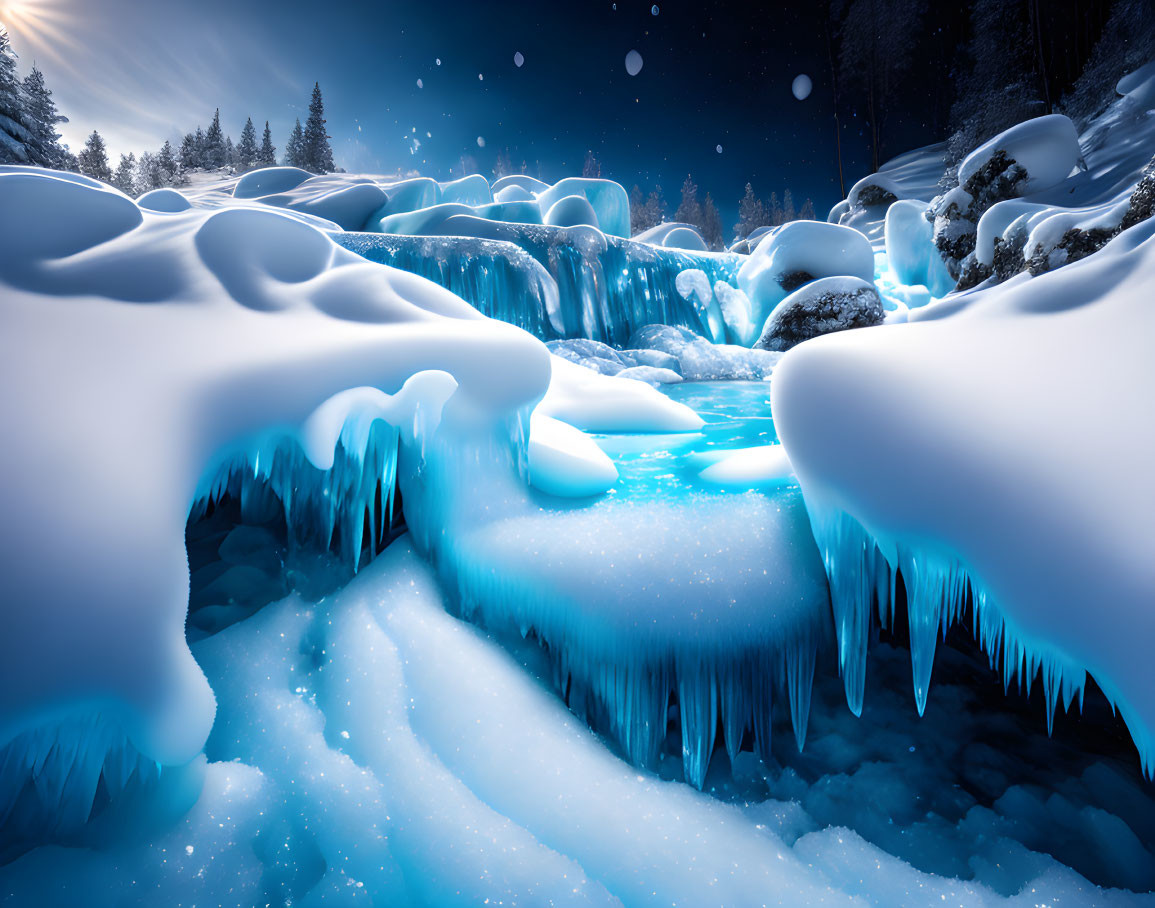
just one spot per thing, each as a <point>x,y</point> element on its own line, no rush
<point>37,26</point>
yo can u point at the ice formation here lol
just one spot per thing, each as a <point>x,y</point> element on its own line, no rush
<point>560,282</point>
<point>243,321</point>
<point>989,519</point>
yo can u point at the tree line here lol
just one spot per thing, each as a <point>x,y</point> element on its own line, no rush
<point>28,135</point>
<point>649,210</point>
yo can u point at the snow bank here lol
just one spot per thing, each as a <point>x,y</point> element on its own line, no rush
<point>673,236</point>
<point>123,455</point>
<point>995,490</point>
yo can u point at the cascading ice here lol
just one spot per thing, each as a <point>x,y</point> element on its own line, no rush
<point>560,282</point>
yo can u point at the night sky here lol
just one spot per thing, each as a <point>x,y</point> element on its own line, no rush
<point>714,74</point>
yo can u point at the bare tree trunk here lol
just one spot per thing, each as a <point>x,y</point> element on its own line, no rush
<point>1037,24</point>
<point>834,86</point>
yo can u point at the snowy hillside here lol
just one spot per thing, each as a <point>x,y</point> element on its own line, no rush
<point>379,541</point>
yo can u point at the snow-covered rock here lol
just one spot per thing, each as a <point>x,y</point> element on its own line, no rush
<point>820,307</point>
<point>571,211</point>
<point>796,253</point>
<point>1046,148</point>
<point>164,200</point>
<point>673,235</point>
<point>700,360</point>
<point>566,462</point>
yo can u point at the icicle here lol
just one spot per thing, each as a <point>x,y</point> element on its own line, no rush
<point>735,688</point>
<point>763,713</point>
<point>698,704</point>
<point>800,682</point>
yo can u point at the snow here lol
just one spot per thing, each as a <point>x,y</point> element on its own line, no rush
<point>564,461</point>
<point>164,200</point>
<point>252,320</point>
<point>570,211</point>
<point>976,407</point>
<point>673,235</point>
<point>800,250</point>
<point>749,468</point>
<point>1046,147</point>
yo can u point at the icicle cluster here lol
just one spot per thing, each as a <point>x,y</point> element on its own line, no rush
<point>344,507</point>
<point>863,582</point>
<point>54,777</point>
<point>622,684</point>
<point>558,282</point>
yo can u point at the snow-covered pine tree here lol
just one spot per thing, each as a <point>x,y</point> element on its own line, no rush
<point>167,166</point>
<point>41,117</point>
<point>267,154</point>
<point>655,206</point>
<point>317,152</point>
<point>751,214</point>
<point>295,147</point>
<point>712,224</point>
<point>125,177</point>
<point>806,212</point>
<point>773,211</point>
<point>788,213</point>
<point>637,210</point>
<point>148,175</point>
<point>213,144</point>
<point>188,154</point>
<point>93,160</point>
<point>14,133</point>
<point>247,146</point>
<point>230,154</point>
<point>689,209</point>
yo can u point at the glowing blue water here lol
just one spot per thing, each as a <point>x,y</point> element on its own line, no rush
<point>654,467</point>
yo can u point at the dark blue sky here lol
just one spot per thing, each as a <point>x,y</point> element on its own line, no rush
<point>714,74</point>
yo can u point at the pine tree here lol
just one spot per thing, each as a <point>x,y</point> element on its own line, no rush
<point>148,175</point>
<point>690,209</point>
<point>806,212</point>
<point>93,159</point>
<point>655,206</point>
<point>247,146</point>
<point>712,224</point>
<point>41,116</point>
<point>318,154</point>
<point>230,153</point>
<point>213,144</point>
<point>14,133</point>
<point>125,177</point>
<point>773,211</point>
<point>295,147</point>
<point>788,213</point>
<point>167,165</point>
<point>637,211</point>
<point>189,153</point>
<point>752,214</point>
<point>267,155</point>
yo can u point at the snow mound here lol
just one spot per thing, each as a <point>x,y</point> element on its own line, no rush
<point>269,181</point>
<point>103,643</point>
<point>570,211</point>
<point>750,468</point>
<point>673,235</point>
<point>820,307</point>
<point>164,200</point>
<point>796,253</point>
<point>990,499</point>
<point>566,462</point>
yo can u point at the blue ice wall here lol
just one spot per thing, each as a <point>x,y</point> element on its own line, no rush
<point>604,287</point>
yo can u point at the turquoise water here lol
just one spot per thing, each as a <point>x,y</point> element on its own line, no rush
<point>737,415</point>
